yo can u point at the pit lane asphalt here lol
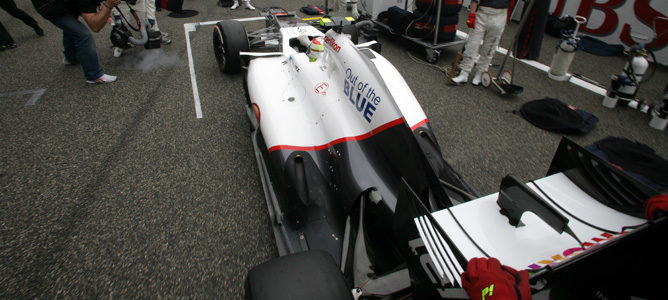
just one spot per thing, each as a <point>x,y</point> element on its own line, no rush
<point>119,190</point>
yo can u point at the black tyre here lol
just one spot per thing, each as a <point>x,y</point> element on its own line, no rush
<point>307,275</point>
<point>448,7</point>
<point>424,28</point>
<point>229,38</point>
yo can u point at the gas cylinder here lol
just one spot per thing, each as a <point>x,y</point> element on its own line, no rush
<point>633,72</point>
<point>660,114</point>
<point>562,59</point>
<point>624,86</point>
<point>563,56</point>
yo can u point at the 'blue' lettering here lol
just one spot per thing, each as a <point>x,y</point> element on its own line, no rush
<point>364,106</point>
<point>368,112</point>
<point>350,95</point>
<point>358,105</point>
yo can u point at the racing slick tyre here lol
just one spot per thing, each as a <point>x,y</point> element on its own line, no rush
<point>448,7</point>
<point>306,275</point>
<point>229,38</point>
<point>424,27</point>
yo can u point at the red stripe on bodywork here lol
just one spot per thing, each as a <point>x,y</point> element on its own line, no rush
<point>425,121</point>
<point>341,140</point>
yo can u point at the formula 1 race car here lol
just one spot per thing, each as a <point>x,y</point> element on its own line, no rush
<point>360,199</point>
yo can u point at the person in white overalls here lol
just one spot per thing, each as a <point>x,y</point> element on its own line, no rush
<point>487,20</point>
<point>246,3</point>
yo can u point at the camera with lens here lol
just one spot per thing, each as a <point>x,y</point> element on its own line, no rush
<point>120,35</point>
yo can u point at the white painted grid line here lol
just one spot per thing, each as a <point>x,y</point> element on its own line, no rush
<point>191,27</point>
<point>36,94</point>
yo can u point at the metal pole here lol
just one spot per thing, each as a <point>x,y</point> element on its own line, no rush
<point>438,21</point>
<point>523,21</point>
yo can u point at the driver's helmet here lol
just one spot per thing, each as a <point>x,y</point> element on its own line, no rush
<point>316,49</point>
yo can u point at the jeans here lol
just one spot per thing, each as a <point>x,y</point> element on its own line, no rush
<point>79,45</point>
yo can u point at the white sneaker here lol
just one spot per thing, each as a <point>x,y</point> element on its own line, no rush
<point>476,78</point>
<point>462,78</point>
<point>164,39</point>
<point>118,51</point>
<point>103,79</point>
<point>235,5</point>
<point>248,5</point>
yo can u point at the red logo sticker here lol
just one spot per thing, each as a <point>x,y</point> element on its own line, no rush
<point>321,88</point>
<point>332,44</point>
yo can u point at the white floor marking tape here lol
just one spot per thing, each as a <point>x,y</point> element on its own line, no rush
<point>191,27</point>
<point>574,80</point>
<point>36,94</point>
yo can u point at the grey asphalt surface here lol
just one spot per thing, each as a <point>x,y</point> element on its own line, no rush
<point>119,191</point>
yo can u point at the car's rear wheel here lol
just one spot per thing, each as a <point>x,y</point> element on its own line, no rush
<point>229,39</point>
<point>306,275</point>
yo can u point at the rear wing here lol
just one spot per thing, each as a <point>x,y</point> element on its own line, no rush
<point>580,221</point>
<point>600,179</point>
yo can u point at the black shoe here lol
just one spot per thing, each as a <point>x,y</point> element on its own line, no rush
<point>39,30</point>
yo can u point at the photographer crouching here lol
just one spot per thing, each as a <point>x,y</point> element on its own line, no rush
<point>78,43</point>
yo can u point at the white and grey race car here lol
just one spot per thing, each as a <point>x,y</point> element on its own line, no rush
<point>360,199</point>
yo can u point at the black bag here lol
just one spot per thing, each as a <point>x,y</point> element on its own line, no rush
<point>554,115</point>
<point>51,8</point>
<point>313,10</point>
<point>558,26</point>
<point>600,48</point>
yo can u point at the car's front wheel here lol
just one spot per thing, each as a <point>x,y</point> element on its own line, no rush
<point>229,39</point>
